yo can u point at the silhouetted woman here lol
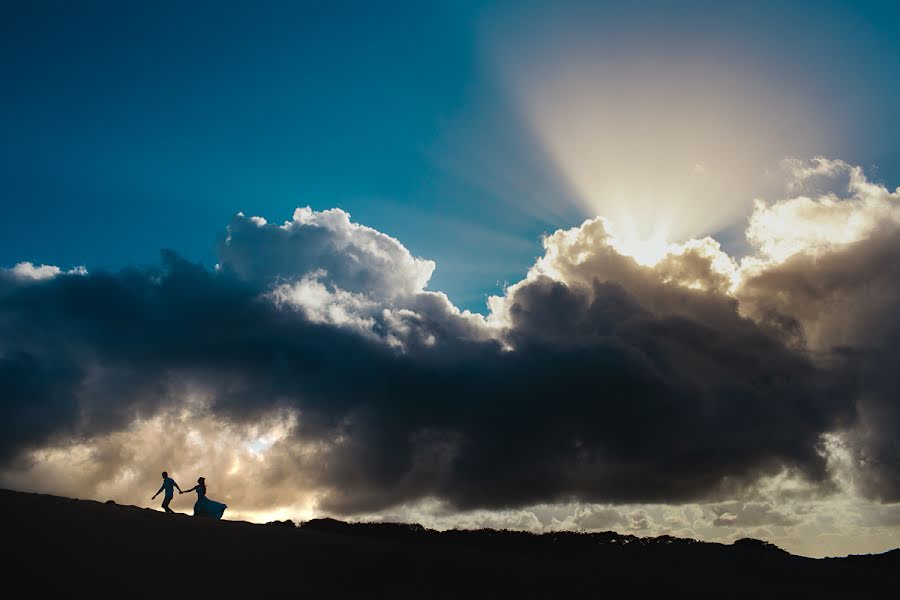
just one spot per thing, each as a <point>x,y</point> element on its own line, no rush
<point>204,507</point>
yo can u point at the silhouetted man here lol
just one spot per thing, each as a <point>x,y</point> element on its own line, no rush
<point>168,485</point>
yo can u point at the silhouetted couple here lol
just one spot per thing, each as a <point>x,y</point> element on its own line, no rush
<point>203,507</point>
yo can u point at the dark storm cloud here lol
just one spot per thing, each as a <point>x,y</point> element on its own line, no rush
<point>39,399</point>
<point>834,288</point>
<point>847,302</point>
<point>608,387</point>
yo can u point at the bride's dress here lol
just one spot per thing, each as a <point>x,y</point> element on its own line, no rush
<point>204,507</point>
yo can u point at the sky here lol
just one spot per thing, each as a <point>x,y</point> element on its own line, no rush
<point>130,128</point>
<point>579,265</point>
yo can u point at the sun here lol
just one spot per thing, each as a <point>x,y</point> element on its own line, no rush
<point>647,252</point>
<point>647,248</point>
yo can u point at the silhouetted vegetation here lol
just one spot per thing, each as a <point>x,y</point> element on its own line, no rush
<point>108,548</point>
<point>286,523</point>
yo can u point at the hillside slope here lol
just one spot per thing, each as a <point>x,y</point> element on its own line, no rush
<point>76,546</point>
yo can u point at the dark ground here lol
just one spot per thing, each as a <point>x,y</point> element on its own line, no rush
<point>81,548</point>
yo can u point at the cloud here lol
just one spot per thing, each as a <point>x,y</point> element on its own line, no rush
<point>27,270</point>
<point>595,379</point>
<point>823,223</point>
<point>594,518</point>
<point>828,274</point>
<point>336,272</point>
<point>39,399</point>
<point>749,514</point>
<point>350,256</point>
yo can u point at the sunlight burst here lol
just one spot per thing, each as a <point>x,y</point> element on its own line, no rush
<point>646,252</point>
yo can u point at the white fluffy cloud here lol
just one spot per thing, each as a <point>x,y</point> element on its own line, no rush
<point>337,272</point>
<point>352,257</point>
<point>28,271</point>
<point>580,256</point>
<point>821,263</point>
<point>816,225</point>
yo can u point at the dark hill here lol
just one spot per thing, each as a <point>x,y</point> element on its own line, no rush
<point>58,545</point>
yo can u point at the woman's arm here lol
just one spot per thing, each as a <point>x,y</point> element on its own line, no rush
<point>190,490</point>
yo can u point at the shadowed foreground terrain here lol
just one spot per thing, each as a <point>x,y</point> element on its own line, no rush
<point>91,548</point>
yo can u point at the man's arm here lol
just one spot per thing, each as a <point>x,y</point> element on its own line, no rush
<point>176,486</point>
<point>158,491</point>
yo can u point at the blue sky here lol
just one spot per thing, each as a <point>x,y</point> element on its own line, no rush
<point>130,127</point>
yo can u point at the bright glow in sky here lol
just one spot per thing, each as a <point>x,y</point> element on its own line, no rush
<point>669,144</point>
<point>664,151</point>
